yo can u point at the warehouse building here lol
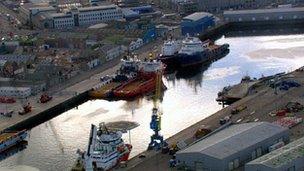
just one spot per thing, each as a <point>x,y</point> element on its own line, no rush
<point>274,14</point>
<point>287,158</point>
<point>221,5</point>
<point>196,23</point>
<point>232,147</point>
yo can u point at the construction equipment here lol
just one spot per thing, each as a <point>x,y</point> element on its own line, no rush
<point>157,141</point>
<point>238,109</point>
<point>27,108</point>
<point>202,132</point>
<point>44,98</point>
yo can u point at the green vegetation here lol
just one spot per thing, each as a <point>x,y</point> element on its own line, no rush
<point>115,39</point>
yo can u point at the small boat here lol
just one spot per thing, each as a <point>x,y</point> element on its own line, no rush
<point>9,139</point>
<point>105,150</point>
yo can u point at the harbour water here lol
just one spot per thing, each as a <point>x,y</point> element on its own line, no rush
<point>188,99</point>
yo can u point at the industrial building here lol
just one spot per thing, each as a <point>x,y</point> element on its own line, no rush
<point>273,14</point>
<point>18,92</point>
<point>75,17</point>
<point>196,23</point>
<point>287,158</point>
<point>232,147</point>
<point>221,5</point>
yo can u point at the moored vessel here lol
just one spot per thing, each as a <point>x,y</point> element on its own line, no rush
<point>195,52</point>
<point>9,139</point>
<point>105,150</point>
<point>169,52</point>
<point>143,83</point>
<point>128,70</point>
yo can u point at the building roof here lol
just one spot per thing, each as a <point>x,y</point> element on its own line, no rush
<point>15,88</point>
<point>96,8</point>
<point>105,48</point>
<point>17,58</point>
<point>283,155</point>
<point>233,139</point>
<point>262,11</point>
<point>2,62</point>
<point>197,16</point>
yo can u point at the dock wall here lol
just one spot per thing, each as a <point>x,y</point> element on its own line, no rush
<point>254,28</point>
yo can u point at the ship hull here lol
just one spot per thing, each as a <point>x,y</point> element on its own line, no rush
<point>13,141</point>
<point>199,58</point>
<point>136,87</point>
<point>170,61</point>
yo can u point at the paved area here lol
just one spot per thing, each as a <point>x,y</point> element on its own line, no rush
<point>259,106</point>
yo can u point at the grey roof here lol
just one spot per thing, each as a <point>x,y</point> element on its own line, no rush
<point>262,11</point>
<point>233,139</point>
<point>105,48</point>
<point>197,16</point>
<point>282,156</point>
<point>17,58</point>
<point>96,8</point>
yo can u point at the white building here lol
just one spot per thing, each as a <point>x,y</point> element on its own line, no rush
<point>98,14</point>
<point>93,63</point>
<point>85,16</point>
<point>112,51</point>
<point>18,92</point>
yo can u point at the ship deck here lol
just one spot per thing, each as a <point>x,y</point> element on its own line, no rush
<point>107,87</point>
<point>131,86</point>
<point>4,136</point>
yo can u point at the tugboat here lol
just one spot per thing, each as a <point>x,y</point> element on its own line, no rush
<point>105,150</point>
<point>9,139</point>
<point>195,52</point>
<point>143,83</point>
<point>169,52</point>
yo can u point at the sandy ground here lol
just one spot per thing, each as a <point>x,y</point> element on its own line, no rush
<point>258,107</point>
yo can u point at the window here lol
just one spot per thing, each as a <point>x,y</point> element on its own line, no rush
<point>253,155</point>
<point>259,152</point>
<point>236,163</point>
<point>230,165</point>
<point>293,168</point>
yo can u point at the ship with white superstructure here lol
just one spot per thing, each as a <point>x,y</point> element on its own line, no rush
<point>169,52</point>
<point>105,150</point>
<point>195,52</point>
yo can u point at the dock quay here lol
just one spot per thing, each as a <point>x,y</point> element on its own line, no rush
<point>259,106</point>
<point>65,97</point>
<point>63,100</point>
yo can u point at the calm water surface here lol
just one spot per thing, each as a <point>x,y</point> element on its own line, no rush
<point>52,145</point>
